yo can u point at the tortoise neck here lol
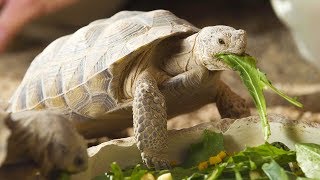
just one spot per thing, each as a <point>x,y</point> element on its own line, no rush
<point>182,59</point>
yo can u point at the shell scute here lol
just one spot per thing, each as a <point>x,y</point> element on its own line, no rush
<point>57,103</point>
<point>97,106</point>
<point>75,78</point>
<point>52,85</point>
<point>35,93</point>
<point>99,83</point>
<point>77,97</point>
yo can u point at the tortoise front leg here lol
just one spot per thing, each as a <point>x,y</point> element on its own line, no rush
<point>150,122</point>
<point>230,104</point>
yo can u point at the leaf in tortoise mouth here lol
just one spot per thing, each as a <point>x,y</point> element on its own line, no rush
<point>255,81</point>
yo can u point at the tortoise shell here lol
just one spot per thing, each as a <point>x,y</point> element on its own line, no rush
<point>81,73</point>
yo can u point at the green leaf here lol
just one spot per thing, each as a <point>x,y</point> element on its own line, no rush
<point>137,172</point>
<point>211,145</point>
<point>266,150</point>
<point>196,175</point>
<point>274,171</point>
<point>308,157</point>
<point>252,158</point>
<point>117,172</point>
<point>255,81</point>
<point>217,172</point>
<point>182,173</point>
<point>237,174</point>
<point>266,82</point>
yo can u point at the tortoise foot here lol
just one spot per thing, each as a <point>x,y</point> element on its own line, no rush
<point>155,160</point>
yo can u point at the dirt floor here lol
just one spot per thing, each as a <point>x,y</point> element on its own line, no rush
<point>269,41</point>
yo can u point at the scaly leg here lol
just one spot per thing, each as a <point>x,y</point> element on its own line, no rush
<point>150,122</point>
<point>230,104</point>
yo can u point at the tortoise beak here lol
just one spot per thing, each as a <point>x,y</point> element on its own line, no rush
<point>240,42</point>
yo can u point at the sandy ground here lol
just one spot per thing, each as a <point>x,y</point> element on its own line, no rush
<point>269,41</point>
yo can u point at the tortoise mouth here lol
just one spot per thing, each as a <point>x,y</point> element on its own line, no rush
<point>224,65</point>
<point>216,64</point>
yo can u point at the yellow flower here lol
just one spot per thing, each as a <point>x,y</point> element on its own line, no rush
<point>222,154</point>
<point>214,160</point>
<point>203,165</point>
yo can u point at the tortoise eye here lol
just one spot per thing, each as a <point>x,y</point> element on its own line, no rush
<point>221,41</point>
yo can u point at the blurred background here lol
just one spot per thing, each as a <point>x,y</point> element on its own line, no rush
<point>275,42</point>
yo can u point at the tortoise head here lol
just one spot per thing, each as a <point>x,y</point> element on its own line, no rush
<point>64,149</point>
<point>68,154</point>
<point>214,40</point>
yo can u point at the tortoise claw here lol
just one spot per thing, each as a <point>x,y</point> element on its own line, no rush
<point>156,161</point>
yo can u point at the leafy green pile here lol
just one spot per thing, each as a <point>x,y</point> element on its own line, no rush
<point>266,161</point>
<point>256,82</point>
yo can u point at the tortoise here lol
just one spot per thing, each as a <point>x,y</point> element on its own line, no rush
<point>135,66</point>
<point>48,149</point>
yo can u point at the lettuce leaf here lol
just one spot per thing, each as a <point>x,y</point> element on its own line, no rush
<point>256,82</point>
<point>308,157</point>
<point>274,171</point>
